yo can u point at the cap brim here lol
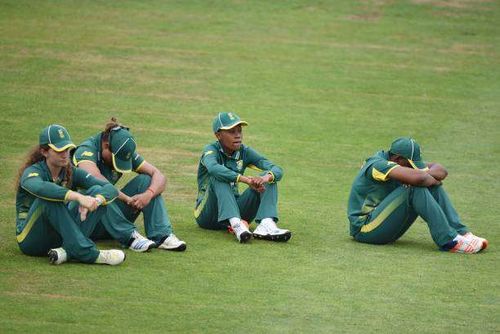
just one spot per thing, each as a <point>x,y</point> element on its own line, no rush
<point>122,166</point>
<point>62,146</point>
<point>233,125</point>
<point>417,164</point>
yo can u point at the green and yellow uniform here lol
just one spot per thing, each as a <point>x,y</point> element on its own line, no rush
<point>44,218</point>
<point>218,195</point>
<point>156,220</point>
<point>380,209</point>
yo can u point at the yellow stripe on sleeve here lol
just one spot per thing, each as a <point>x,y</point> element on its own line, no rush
<point>379,176</point>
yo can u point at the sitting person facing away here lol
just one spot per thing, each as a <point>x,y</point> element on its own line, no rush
<point>44,223</point>
<point>108,155</point>
<point>393,188</point>
<point>219,204</point>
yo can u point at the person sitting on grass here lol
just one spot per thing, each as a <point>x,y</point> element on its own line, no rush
<point>222,165</point>
<point>44,223</point>
<point>107,156</point>
<point>393,188</point>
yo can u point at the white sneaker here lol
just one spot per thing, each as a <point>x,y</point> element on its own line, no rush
<point>140,244</point>
<point>466,245</point>
<point>470,236</point>
<point>173,243</point>
<point>112,257</point>
<point>268,230</point>
<point>242,232</point>
<point>57,255</point>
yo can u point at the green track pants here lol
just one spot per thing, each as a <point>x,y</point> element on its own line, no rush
<point>220,204</point>
<point>118,224</point>
<point>51,225</point>
<point>397,212</point>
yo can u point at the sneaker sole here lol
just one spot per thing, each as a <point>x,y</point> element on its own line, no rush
<point>245,237</point>
<point>53,257</point>
<point>278,238</point>
<point>180,248</point>
<point>153,245</point>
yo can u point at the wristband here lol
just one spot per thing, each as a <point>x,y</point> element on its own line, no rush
<point>99,200</point>
<point>152,192</point>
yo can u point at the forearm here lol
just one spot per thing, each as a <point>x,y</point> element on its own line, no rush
<point>245,179</point>
<point>437,171</point>
<point>123,197</point>
<point>158,184</point>
<point>428,181</point>
<point>74,196</point>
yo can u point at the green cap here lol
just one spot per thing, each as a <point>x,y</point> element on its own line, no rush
<point>409,149</point>
<point>122,146</point>
<point>57,137</point>
<point>226,121</point>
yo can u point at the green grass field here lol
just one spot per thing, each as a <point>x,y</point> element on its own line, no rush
<point>323,84</point>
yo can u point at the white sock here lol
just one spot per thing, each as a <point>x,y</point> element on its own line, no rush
<point>234,221</point>
<point>459,237</point>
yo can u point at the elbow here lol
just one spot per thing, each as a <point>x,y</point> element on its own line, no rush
<point>445,173</point>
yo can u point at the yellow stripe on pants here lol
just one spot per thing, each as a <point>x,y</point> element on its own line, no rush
<point>384,214</point>
<point>29,226</point>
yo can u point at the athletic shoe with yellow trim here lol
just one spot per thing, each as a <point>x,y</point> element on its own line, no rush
<point>112,257</point>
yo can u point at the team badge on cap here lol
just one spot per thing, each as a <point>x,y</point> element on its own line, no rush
<point>226,121</point>
<point>56,137</point>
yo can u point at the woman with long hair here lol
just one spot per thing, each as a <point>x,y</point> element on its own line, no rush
<point>46,191</point>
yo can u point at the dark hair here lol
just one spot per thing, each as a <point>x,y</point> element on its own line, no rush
<point>111,125</point>
<point>35,155</point>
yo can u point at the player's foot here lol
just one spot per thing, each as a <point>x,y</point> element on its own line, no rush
<point>140,244</point>
<point>172,243</point>
<point>484,242</point>
<point>57,255</point>
<point>112,257</point>
<point>241,231</point>
<point>268,230</point>
<point>464,245</point>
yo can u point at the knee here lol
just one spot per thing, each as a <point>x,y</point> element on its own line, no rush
<point>420,190</point>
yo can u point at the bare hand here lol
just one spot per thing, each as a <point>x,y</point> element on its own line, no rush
<point>258,184</point>
<point>83,212</point>
<point>88,202</point>
<point>139,201</point>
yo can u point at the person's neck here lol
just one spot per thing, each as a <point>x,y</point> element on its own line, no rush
<point>55,171</point>
<point>228,152</point>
